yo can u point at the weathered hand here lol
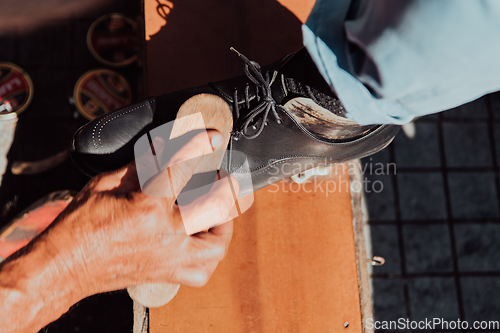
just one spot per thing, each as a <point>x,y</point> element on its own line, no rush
<point>112,236</point>
<point>123,237</point>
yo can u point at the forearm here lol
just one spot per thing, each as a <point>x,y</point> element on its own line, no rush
<point>36,288</point>
<point>110,236</point>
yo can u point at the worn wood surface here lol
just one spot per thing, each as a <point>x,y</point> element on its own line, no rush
<point>291,267</point>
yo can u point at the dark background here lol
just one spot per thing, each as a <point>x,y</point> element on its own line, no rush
<point>55,56</point>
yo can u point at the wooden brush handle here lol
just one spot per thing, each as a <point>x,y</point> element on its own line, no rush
<point>216,115</point>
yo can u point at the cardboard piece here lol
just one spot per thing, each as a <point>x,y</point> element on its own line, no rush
<point>291,267</point>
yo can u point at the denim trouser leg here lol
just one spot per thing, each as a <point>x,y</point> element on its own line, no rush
<point>391,60</point>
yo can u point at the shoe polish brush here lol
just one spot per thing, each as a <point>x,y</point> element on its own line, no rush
<point>217,115</point>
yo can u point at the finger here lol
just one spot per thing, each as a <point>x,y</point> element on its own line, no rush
<point>127,179</point>
<point>148,161</point>
<point>148,167</point>
<point>199,249</point>
<point>123,180</point>
<point>234,183</point>
<point>204,246</point>
<point>196,276</point>
<point>184,162</point>
<point>211,245</point>
<point>209,210</point>
<point>224,230</point>
<point>170,178</point>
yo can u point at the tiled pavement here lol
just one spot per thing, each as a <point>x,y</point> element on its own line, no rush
<point>437,220</point>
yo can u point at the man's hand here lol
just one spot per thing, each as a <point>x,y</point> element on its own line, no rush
<point>147,231</point>
<point>113,236</point>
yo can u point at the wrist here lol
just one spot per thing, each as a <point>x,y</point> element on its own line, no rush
<point>35,288</point>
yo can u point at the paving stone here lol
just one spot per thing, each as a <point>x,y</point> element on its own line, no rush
<point>476,109</point>
<point>496,134</point>
<point>434,297</point>
<point>480,298</point>
<point>467,145</point>
<point>420,151</point>
<point>473,195</point>
<point>380,205</point>
<point>421,196</point>
<point>495,104</point>
<point>384,240</point>
<point>382,156</point>
<point>478,248</point>
<point>388,299</point>
<point>427,248</point>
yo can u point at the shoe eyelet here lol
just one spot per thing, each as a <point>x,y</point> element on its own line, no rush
<point>279,121</point>
<point>254,127</point>
<point>265,124</point>
<point>235,138</point>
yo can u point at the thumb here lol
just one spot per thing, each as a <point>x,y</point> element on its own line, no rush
<point>197,152</point>
<point>169,180</point>
<point>147,164</point>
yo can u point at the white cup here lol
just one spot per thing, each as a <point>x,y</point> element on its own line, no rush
<point>8,123</point>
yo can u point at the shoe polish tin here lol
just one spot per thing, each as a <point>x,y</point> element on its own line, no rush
<point>16,89</point>
<point>100,91</point>
<point>113,40</point>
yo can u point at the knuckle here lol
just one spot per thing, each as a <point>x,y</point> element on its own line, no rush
<point>147,205</point>
<point>201,279</point>
<point>95,180</point>
<point>220,252</point>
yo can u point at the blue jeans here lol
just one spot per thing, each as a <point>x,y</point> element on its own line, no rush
<point>392,60</point>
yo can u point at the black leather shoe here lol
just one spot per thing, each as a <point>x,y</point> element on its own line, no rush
<point>286,120</point>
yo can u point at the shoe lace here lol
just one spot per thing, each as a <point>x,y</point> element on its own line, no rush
<point>265,107</point>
